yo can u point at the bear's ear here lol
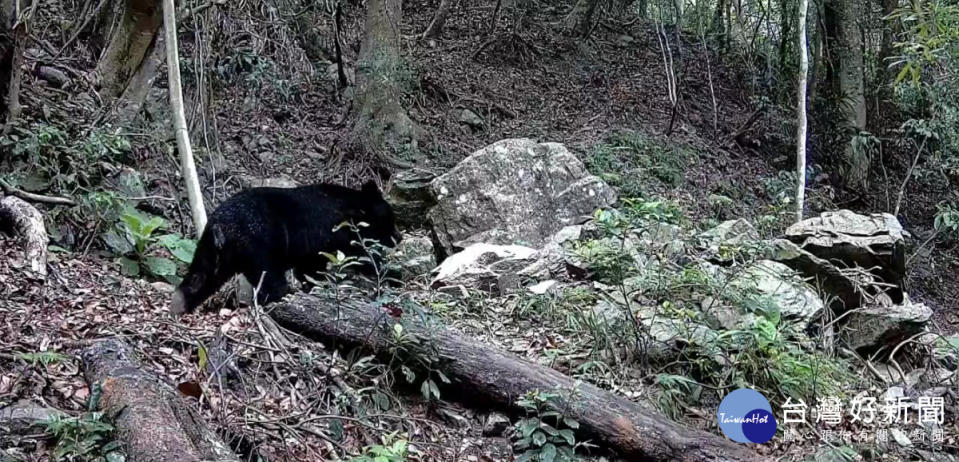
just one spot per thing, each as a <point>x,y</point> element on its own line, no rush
<point>370,188</point>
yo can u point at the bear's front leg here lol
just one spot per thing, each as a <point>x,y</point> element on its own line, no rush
<point>269,285</point>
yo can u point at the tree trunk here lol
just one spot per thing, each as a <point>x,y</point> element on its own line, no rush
<point>801,113</point>
<point>580,18</point>
<point>152,422</point>
<point>718,26</point>
<point>13,40</point>
<point>439,19</point>
<point>846,82</point>
<point>21,219</point>
<point>382,125</point>
<point>127,47</point>
<point>187,165</point>
<point>817,48</point>
<point>135,94</point>
<point>483,373</point>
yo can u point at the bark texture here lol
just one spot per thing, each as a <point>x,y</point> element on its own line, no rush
<point>128,46</point>
<point>23,220</point>
<point>480,372</point>
<point>846,81</point>
<point>152,422</point>
<point>382,124</point>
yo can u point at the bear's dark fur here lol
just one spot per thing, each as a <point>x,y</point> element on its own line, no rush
<point>263,232</point>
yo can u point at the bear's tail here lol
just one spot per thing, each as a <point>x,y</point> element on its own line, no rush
<point>208,271</point>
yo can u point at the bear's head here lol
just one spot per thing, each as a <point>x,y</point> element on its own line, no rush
<point>379,215</point>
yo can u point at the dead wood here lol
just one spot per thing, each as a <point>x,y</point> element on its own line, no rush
<point>21,219</point>
<point>152,421</point>
<point>485,373</point>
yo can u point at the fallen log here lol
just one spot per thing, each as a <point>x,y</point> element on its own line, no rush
<point>23,220</point>
<point>152,422</point>
<point>483,372</point>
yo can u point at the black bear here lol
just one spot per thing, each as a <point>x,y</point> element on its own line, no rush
<point>264,232</point>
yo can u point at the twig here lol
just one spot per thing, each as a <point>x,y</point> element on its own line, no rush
<point>28,196</point>
<point>902,188</point>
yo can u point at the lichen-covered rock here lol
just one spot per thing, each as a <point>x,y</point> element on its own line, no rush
<point>414,256</point>
<point>730,232</point>
<point>515,191</point>
<point>874,242</point>
<point>552,260</point>
<point>410,197</point>
<point>779,284</point>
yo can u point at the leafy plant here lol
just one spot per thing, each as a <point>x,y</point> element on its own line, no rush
<point>44,358</point>
<point>546,433</point>
<point>947,220</point>
<point>87,437</point>
<point>394,448</point>
<point>626,156</point>
<point>638,209</point>
<point>136,244</point>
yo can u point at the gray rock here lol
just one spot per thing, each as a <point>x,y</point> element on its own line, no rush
<point>485,267</point>
<point>844,290</point>
<point>730,233</point>
<point>24,417</point>
<point>514,191</point>
<point>552,261</point>
<point>470,118</point>
<point>54,76</point>
<point>546,287</point>
<point>410,197</point>
<point>794,297</point>
<point>873,242</point>
<point>868,328</point>
<point>724,315</point>
<point>495,424</point>
<point>414,255</point>
<point>282,181</point>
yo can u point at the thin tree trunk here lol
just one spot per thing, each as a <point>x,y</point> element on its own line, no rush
<point>801,114</point>
<point>382,125</point>
<point>439,19</point>
<point>128,46</point>
<point>580,17</point>
<point>487,375</point>
<point>187,164</point>
<point>16,16</point>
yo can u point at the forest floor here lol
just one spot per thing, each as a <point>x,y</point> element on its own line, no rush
<point>537,84</point>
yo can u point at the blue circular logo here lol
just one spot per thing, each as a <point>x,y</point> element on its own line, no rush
<point>746,417</point>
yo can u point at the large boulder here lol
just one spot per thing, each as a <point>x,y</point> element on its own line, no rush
<point>778,284</point>
<point>486,267</point>
<point>869,328</point>
<point>845,290</point>
<point>515,191</point>
<point>873,242</point>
